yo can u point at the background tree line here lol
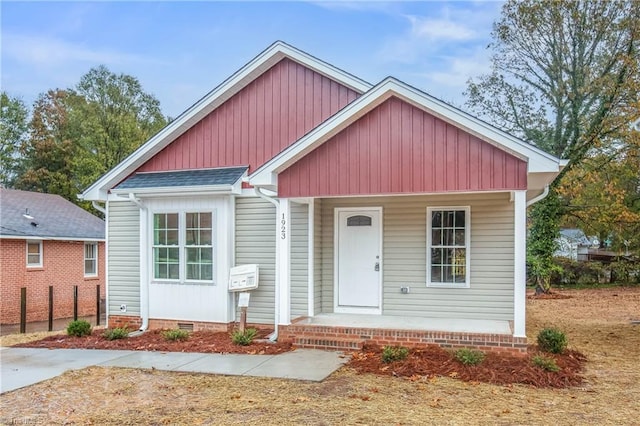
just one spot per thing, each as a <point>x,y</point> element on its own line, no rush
<point>70,137</point>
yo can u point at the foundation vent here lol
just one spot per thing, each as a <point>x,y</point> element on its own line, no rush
<point>185,326</point>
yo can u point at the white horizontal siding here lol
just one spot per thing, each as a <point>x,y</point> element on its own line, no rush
<point>299,259</point>
<point>490,295</point>
<point>255,225</point>
<point>123,250</point>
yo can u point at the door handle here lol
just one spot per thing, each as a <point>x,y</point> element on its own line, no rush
<point>377,267</point>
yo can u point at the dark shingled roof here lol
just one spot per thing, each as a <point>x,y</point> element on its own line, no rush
<point>220,176</point>
<point>54,216</point>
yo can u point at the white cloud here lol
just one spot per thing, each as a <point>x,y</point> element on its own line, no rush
<point>50,52</point>
<point>439,29</point>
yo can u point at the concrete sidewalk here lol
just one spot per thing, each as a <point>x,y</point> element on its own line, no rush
<point>22,367</point>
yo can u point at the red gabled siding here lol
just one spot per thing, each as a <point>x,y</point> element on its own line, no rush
<point>398,148</point>
<point>258,122</point>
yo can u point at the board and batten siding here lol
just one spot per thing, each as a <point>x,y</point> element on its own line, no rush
<point>490,295</point>
<point>255,242</point>
<point>299,259</point>
<point>124,257</point>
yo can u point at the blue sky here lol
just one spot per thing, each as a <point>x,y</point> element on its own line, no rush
<point>181,50</point>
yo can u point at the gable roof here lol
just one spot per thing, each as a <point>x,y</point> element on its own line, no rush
<point>538,161</point>
<point>261,63</point>
<point>26,215</point>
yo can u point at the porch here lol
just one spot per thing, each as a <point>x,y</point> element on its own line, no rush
<point>349,332</point>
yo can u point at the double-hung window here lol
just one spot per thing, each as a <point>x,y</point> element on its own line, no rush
<point>448,246</point>
<point>90,259</point>
<point>34,254</point>
<point>183,246</point>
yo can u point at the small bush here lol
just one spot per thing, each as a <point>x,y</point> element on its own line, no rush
<point>548,364</point>
<point>244,338</point>
<point>394,353</point>
<point>79,328</point>
<point>552,340</point>
<point>175,335</point>
<point>468,356</point>
<point>116,333</point>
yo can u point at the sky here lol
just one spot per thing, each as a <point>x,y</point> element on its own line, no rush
<point>179,51</point>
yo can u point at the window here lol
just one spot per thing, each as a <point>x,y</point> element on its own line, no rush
<point>90,259</point>
<point>448,247</point>
<point>183,246</point>
<point>34,254</point>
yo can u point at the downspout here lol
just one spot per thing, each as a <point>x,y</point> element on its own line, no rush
<point>540,197</point>
<point>274,336</point>
<point>144,283</point>
<point>99,207</point>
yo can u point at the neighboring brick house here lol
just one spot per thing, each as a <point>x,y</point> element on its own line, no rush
<point>45,241</point>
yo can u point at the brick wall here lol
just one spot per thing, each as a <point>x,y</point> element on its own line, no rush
<point>352,338</point>
<point>62,268</point>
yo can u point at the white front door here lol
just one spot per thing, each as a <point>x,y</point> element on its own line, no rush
<point>358,260</point>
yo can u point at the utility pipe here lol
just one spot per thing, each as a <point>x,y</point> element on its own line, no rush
<point>144,282</point>
<point>274,336</point>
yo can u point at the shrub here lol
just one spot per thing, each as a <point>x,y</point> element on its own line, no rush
<point>552,340</point>
<point>571,272</point>
<point>394,353</point>
<point>116,333</point>
<point>244,338</point>
<point>175,335</point>
<point>79,328</point>
<point>548,364</point>
<point>468,356</point>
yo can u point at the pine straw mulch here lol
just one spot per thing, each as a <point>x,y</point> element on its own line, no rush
<point>496,368</point>
<point>153,340</point>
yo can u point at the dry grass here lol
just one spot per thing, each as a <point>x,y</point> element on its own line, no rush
<point>596,322</point>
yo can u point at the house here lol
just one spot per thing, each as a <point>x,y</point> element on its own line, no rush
<point>574,244</point>
<point>46,241</point>
<point>374,212</point>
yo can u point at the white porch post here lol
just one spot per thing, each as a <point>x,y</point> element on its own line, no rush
<point>283,282</point>
<point>311,264</point>
<point>520,262</point>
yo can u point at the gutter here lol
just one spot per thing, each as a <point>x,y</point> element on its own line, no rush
<point>540,197</point>
<point>144,282</point>
<point>99,207</point>
<point>274,336</point>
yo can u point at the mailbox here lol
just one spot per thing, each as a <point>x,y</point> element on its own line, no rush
<point>243,278</point>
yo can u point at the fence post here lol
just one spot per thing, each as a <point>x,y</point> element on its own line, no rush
<point>98,304</point>
<point>75,303</point>
<point>23,310</point>
<point>50,308</point>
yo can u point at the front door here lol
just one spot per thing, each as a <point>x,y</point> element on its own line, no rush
<point>358,260</point>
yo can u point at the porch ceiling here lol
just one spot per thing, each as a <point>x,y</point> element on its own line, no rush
<point>455,325</point>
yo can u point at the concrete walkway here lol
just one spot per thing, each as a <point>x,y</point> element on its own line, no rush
<point>25,366</point>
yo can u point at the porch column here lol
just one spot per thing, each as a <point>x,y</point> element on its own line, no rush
<point>283,282</point>
<point>311,259</point>
<point>520,263</point>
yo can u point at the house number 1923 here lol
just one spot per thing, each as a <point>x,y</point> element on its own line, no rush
<point>283,227</point>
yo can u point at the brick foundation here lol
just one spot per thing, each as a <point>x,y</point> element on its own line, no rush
<point>349,338</point>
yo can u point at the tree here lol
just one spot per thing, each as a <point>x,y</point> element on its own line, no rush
<point>13,133</point>
<point>48,153</point>
<point>112,116</point>
<point>564,75</point>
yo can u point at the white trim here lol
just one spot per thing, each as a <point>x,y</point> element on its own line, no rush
<point>181,190</point>
<point>106,262</point>
<point>538,160</point>
<point>467,237</point>
<point>43,238</point>
<point>336,259</point>
<point>520,263</point>
<point>284,267</point>
<point>96,257</point>
<point>236,82</point>
<point>310,258</point>
<point>40,253</point>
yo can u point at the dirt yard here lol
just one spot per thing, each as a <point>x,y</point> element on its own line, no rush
<point>597,323</point>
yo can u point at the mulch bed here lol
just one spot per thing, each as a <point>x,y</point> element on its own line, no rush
<point>549,295</point>
<point>425,362</point>
<point>502,369</point>
<point>152,340</point>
